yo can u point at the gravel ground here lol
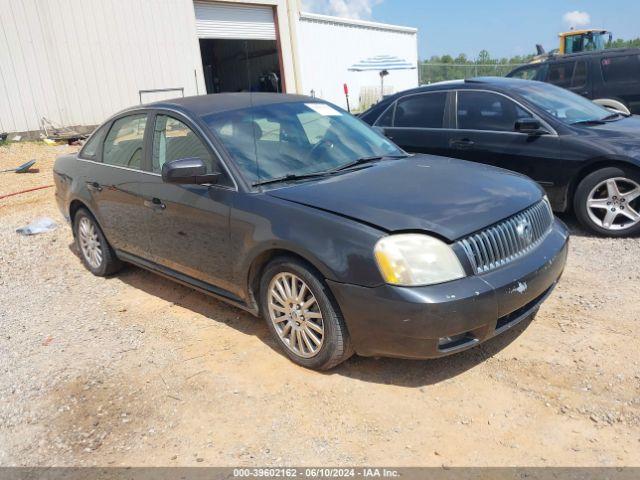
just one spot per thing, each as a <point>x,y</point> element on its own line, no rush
<point>137,370</point>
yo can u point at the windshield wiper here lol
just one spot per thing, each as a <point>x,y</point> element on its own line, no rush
<point>293,176</point>
<point>363,161</point>
<point>289,177</point>
<point>612,116</point>
<point>592,121</point>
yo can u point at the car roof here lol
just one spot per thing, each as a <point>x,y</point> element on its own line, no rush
<point>494,82</point>
<point>498,84</point>
<point>203,105</point>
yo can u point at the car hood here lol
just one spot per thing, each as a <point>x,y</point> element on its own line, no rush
<point>620,137</point>
<point>445,196</point>
<point>622,127</point>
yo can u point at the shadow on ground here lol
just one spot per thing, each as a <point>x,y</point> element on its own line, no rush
<point>407,373</point>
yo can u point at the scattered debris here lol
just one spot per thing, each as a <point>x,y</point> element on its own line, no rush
<point>57,135</point>
<point>16,138</point>
<point>22,168</point>
<point>40,225</point>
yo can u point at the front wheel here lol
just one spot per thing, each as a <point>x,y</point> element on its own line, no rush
<point>303,316</point>
<point>95,252</point>
<point>607,201</point>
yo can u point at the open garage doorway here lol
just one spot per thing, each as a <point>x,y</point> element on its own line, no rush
<point>240,65</point>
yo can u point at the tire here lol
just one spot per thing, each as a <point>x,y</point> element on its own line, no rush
<point>595,188</point>
<point>86,230</point>
<point>335,346</point>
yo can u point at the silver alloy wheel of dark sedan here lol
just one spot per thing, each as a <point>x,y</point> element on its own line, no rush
<point>612,205</point>
<point>295,314</point>
<point>90,242</point>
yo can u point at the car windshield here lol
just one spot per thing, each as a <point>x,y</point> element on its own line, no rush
<point>294,139</point>
<point>566,106</point>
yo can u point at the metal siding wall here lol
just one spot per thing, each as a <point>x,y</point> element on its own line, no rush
<point>217,20</point>
<point>78,61</point>
<point>327,50</point>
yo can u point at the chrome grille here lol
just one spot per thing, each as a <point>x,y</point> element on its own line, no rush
<point>509,239</point>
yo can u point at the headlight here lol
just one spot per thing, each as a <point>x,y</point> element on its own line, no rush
<point>411,259</point>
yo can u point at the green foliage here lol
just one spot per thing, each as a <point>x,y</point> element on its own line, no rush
<point>620,43</point>
<point>445,67</point>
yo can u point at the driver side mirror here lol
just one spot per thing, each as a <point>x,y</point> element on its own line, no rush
<point>188,171</point>
<point>530,126</point>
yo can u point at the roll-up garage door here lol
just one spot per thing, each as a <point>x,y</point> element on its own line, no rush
<point>234,21</point>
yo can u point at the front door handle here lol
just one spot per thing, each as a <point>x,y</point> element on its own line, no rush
<point>155,204</point>
<point>462,143</point>
<point>94,187</point>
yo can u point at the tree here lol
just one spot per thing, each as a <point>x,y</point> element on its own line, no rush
<point>484,57</point>
<point>620,43</point>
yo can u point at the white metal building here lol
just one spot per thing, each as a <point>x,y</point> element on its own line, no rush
<point>76,62</point>
<point>330,45</point>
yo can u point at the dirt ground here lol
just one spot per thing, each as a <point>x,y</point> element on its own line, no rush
<point>137,370</point>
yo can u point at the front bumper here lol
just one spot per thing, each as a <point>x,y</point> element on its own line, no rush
<point>414,322</point>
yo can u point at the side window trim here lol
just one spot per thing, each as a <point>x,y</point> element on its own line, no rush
<point>545,124</point>
<point>450,120</point>
<point>206,141</point>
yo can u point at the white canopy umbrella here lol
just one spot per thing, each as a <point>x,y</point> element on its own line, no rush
<point>382,64</point>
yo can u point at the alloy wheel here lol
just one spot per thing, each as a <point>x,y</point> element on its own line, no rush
<point>90,242</point>
<point>295,314</point>
<point>614,204</point>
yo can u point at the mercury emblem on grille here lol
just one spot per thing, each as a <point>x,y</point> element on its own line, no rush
<point>525,231</point>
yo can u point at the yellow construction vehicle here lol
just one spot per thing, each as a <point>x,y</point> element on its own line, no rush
<point>575,41</point>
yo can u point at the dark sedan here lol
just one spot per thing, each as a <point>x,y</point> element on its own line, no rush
<point>585,156</point>
<point>290,208</point>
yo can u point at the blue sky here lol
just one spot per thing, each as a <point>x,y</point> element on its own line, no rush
<point>503,27</point>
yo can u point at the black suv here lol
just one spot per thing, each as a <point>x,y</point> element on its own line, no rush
<point>610,78</point>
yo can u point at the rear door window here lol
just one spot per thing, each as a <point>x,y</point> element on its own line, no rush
<point>123,146</point>
<point>421,111</point>
<point>92,147</point>
<point>561,73</point>
<point>386,119</point>
<point>621,69</point>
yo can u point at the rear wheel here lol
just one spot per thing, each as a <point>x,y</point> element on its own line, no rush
<point>607,201</point>
<point>95,252</point>
<point>303,316</point>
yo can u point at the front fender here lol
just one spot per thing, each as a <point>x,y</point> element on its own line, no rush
<point>341,249</point>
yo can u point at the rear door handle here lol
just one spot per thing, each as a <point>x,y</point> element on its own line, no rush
<point>155,204</point>
<point>462,143</point>
<point>94,186</point>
